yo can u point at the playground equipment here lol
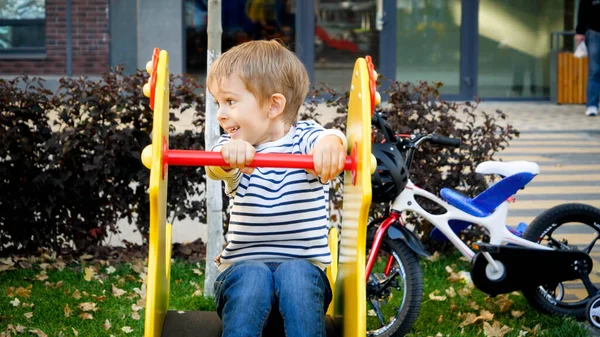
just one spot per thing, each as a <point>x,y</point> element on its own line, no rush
<point>347,312</point>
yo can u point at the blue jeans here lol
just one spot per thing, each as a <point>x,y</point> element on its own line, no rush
<point>247,293</point>
<point>592,40</point>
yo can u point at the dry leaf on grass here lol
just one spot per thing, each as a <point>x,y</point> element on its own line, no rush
<point>127,329</point>
<point>28,315</point>
<point>434,297</point>
<point>106,325</point>
<point>16,302</point>
<point>87,306</point>
<point>450,292</point>
<point>435,257</point>
<point>495,330</point>
<point>197,272</point>
<point>38,332</point>
<point>516,313</point>
<point>75,332</point>
<point>110,270</point>
<point>90,273</point>
<point>135,316</point>
<point>117,292</point>
<point>86,315</point>
<point>67,310</point>
<point>76,295</point>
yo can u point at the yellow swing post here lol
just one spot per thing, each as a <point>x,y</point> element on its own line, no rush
<point>346,274</point>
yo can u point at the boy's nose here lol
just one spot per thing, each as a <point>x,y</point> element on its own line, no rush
<point>221,114</point>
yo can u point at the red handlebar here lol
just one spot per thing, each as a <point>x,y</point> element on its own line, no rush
<point>206,158</point>
<point>279,160</point>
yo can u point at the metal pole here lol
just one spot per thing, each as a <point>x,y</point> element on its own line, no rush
<point>214,200</point>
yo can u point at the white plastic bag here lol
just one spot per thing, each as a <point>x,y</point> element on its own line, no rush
<point>581,50</point>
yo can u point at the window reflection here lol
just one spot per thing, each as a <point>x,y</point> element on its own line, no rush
<point>242,20</point>
<point>22,25</point>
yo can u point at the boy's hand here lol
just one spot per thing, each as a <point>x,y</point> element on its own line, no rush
<point>329,156</point>
<point>238,154</point>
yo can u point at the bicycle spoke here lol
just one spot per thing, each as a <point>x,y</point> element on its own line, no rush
<point>377,310</point>
<point>589,247</point>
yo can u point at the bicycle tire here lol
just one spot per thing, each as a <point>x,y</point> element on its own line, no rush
<point>545,225</point>
<point>413,278</point>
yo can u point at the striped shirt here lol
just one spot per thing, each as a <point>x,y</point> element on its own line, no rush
<point>277,214</point>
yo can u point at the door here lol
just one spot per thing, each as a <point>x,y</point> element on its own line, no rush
<point>436,40</point>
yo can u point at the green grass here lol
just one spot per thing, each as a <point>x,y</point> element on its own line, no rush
<point>49,302</point>
<point>429,322</point>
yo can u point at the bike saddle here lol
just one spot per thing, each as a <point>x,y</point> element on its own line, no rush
<point>507,168</point>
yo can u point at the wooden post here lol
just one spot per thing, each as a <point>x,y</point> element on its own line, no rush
<point>214,200</point>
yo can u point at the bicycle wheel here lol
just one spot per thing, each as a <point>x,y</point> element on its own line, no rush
<point>393,300</point>
<point>566,226</point>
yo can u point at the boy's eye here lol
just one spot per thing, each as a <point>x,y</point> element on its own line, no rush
<point>216,103</point>
<point>230,102</point>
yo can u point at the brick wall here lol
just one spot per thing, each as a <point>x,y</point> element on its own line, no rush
<point>90,41</point>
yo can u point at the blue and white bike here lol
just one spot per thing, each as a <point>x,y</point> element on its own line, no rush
<point>553,275</point>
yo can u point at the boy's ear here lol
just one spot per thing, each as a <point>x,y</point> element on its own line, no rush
<point>276,105</point>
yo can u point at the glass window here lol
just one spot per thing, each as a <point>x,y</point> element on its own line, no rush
<point>242,20</point>
<point>428,42</point>
<point>22,25</point>
<point>344,31</point>
<point>514,46</point>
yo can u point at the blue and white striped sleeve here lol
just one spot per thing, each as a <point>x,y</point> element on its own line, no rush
<point>310,132</point>
<point>231,178</point>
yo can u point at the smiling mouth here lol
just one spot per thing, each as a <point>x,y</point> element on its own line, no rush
<point>233,130</point>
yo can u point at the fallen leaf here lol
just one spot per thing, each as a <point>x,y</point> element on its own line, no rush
<point>27,305</point>
<point>197,272</point>
<point>110,270</point>
<point>464,292</point>
<point>67,310</point>
<point>44,265</point>
<point>86,315</point>
<point>59,284</point>
<point>77,294</point>
<point>117,292</point>
<point>75,332</point>
<point>516,313</point>
<point>522,333</point>
<point>16,302</point>
<point>435,257</point>
<point>495,330</point>
<point>469,318</point>
<point>440,319</point>
<point>450,292</point>
<point>87,306</point>
<point>38,332</point>
<point>127,329</point>
<point>485,315</point>
<point>90,272</point>
<point>434,297</point>
<point>106,325</point>
<point>136,307</point>
<point>503,303</point>
<point>28,315</point>
<point>135,316</point>
<point>23,292</point>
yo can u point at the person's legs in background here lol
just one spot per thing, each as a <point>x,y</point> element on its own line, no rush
<point>592,40</point>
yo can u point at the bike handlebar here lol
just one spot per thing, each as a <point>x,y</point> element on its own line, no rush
<point>437,139</point>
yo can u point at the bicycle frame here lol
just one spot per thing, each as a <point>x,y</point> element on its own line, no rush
<point>495,223</point>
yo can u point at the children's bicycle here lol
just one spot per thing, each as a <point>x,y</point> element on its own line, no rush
<point>553,275</point>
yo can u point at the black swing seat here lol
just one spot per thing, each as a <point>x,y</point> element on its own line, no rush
<point>208,324</point>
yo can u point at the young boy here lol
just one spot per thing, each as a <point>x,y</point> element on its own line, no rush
<point>277,239</point>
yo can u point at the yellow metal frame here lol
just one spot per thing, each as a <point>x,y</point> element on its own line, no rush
<point>347,277</point>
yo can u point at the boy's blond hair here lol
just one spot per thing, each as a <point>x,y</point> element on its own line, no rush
<point>266,68</point>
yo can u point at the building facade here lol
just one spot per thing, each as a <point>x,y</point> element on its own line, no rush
<point>495,49</point>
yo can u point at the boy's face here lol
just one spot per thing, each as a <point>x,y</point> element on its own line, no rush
<point>240,114</point>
